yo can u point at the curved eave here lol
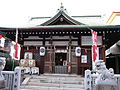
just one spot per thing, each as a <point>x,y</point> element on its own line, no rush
<point>73,26</point>
<point>71,19</point>
<point>50,20</point>
<point>61,12</point>
<point>64,27</point>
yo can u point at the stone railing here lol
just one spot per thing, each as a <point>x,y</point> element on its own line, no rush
<point>90,80</point>
<point>12,78</point>
<point>9,78</point>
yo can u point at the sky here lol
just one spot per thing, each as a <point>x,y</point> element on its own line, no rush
<point>16,13</point>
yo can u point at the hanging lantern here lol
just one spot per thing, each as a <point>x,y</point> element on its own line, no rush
<point>77,51</point>
<point>42,51</point>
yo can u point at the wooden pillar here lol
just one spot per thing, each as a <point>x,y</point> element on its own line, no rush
<point>21,40</point>
<point>69,59</point>
<point>78,65</point>
<point>43,42</point>
<point>41,66</point>
<point>78,58</point>
<point>69,53</point>
<point>42,59</point>
<point>51,53</point>
<point>103,52</point>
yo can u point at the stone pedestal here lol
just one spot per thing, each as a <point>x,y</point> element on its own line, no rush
<point>2,81</point>
<point>105,87</point>
<point>2,85</point>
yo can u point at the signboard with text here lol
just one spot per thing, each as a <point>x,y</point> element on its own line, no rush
<point>83,58</point>
<point>87,40</point>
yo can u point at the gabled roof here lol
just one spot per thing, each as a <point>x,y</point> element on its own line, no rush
<point>61,18</point>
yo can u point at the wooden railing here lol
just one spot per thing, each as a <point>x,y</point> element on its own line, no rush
<point>13,78</point>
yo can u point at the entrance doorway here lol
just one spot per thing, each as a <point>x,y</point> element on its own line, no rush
<point>61,63</point>
<point>60,59</point>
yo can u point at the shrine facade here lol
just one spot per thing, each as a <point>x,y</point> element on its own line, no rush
<point>60,36</point>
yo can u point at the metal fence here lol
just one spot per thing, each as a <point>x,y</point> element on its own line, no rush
<point>90,78</point>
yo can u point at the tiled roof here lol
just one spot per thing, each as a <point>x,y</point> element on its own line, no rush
<point>61,15</point>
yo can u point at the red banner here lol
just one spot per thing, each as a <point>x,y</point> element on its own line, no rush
<point>0,36</point>
<point>2,41</point>
<point>94,46</point>
<point>16,50</point>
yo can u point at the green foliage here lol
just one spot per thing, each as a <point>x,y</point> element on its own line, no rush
<point>11,64</point>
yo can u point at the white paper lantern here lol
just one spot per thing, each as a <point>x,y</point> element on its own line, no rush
<point>78,51</point>
<point>42,51</point>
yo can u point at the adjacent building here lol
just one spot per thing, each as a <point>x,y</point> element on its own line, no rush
<point>113,53</point>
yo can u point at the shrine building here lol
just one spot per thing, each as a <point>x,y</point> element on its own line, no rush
<point>65,41</point>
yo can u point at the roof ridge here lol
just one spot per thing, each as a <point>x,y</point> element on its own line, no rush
<point>62,12</point>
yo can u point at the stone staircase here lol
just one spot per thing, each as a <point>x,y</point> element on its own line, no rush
<point>53,82</point>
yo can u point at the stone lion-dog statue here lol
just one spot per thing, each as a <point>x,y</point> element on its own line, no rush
<point>104,76</point>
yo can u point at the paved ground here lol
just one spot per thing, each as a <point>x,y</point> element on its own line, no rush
<point>53,82</point>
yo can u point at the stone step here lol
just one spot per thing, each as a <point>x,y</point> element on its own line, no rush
<point>51,77</point>
<point>44,76</point>
<point>48,88</point>
<point>70,75</point>
<point>54,82</point>
<point>77,78</point>
<point>59,78</point>
<point>55,85</point>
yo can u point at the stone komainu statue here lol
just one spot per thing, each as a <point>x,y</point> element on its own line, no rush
<point>104,76</point>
